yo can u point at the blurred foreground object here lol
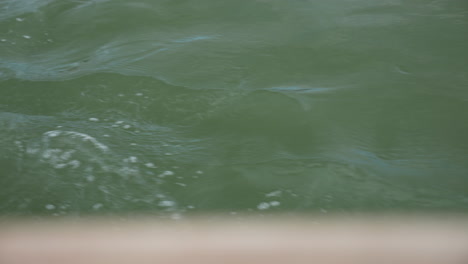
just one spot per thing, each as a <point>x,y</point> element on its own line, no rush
<point>309,240</point>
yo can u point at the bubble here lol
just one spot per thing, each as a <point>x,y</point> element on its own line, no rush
<point>119,122</point>
<point>19,19</point>
<point>263,206</point>
<point>26,36</point>
<point>199,172</point>
<point>181,184</point>
<point>93,119</point>
<point>50,207</point>
<point>139,94</point>
<point>127,126</point>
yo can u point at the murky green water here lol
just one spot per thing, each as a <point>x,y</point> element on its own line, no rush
<point>174,106</point>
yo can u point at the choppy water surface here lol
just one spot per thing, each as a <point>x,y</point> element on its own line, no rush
<point>174,106</point>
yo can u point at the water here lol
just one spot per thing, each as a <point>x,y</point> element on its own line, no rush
<point>169,107</point>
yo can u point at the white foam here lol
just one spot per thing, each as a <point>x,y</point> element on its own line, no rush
<point>139,94</point>
<point>127,126</point>
<point>263,206</point>
<point>166,203</point>
<point>90,178</point>
<point>93,119</point>
<point>274,193</point>
<point>53,133</point>
<point>60,165</point>
<point>98,206</point>
<point>74,164</point>
<point>150,165</point>
<point>48,153</point>
<point>32,150</point>
<point>50,207</point>
<point>26,36</point>
<point>66,155</point>
<point>275,203</point>
<point>166,173</point>
<point>19,19</point>
<point>131,159</point>
<point>199,172</point>
<point>73,134</point>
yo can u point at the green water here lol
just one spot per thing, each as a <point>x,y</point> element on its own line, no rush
<point>174,106</point>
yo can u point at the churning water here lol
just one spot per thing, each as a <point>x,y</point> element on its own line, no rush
<point>172,106</point>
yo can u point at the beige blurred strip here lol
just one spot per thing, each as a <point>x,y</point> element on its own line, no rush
<point>335,240</point>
